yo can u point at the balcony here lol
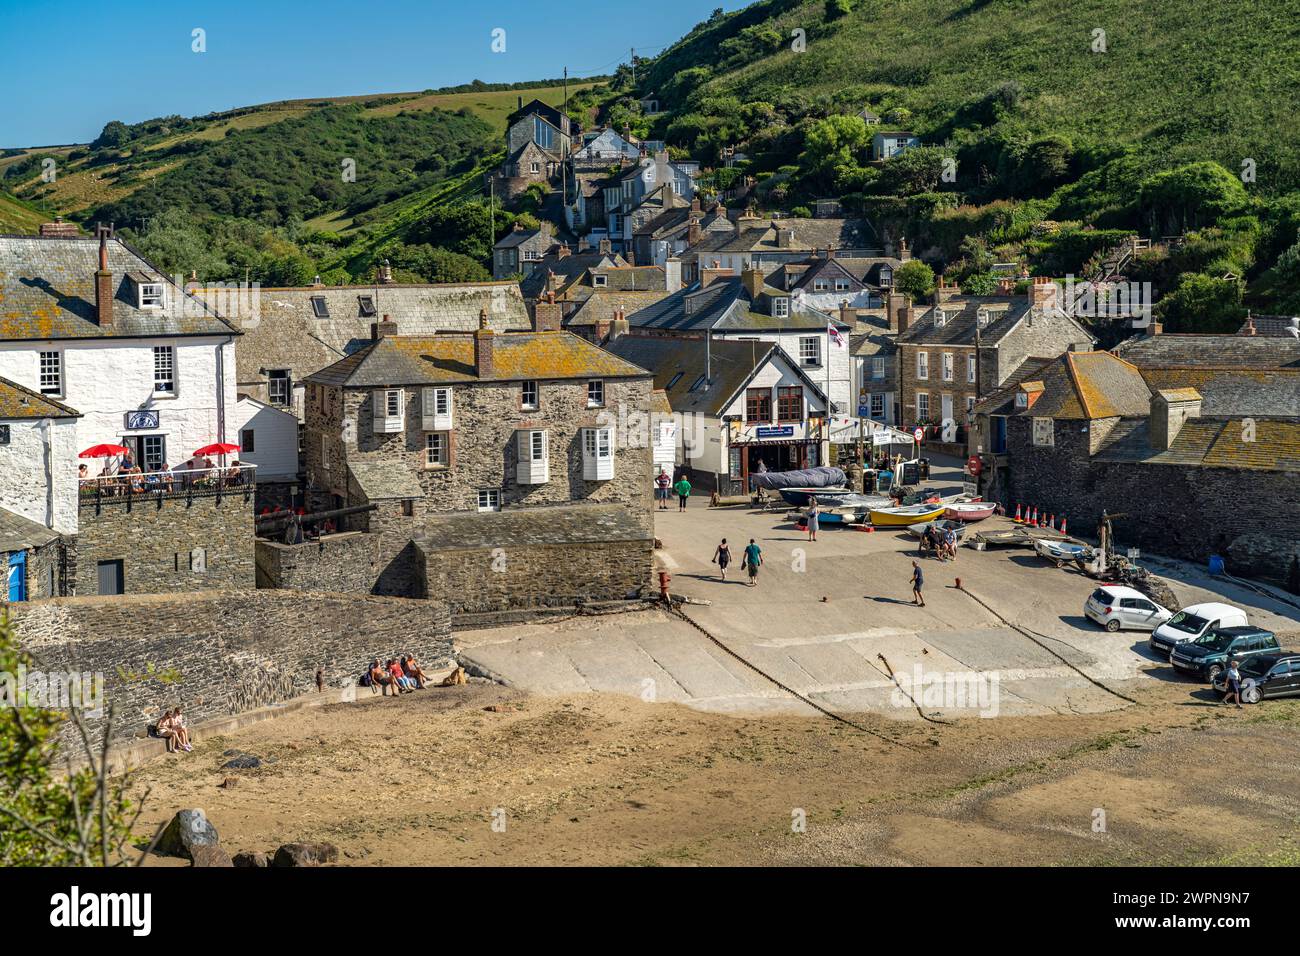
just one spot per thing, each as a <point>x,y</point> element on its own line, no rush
<point>177,483</point>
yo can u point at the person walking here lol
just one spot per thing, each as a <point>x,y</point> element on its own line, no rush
<point>812,515</point>
<point>753,561</point>
<point>918,579</point>
<point>663,485</point>
<point>683,489</point>
<point>1232,680</point>
<point>722,557</point>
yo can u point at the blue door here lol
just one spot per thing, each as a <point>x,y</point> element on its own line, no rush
<point>18,576</point>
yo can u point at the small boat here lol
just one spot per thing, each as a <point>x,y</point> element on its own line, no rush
<point>904,516</point>
<point>1059,552</point>
<point>970,510</point>
<point>851,513</point>
<point>799,496</point>
<point>942,524</point>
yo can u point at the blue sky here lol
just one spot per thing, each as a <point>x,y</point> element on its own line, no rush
<point>132,59</point>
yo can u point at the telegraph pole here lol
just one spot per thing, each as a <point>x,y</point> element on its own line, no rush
<point>564,160</point>
<point>634,68</point>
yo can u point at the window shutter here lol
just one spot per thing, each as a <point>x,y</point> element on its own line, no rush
<point>428,406</point>
<point>384,422</point>
<point>443,418</point>
<point>532,471</point>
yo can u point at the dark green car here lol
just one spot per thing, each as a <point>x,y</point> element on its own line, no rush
<point>1208,655</point>
<point>1265,675</point>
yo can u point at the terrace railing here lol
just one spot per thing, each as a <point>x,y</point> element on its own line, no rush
<point>187,484</point>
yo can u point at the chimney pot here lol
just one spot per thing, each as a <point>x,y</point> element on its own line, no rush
<point>104,279</point>
<point>484,366</point>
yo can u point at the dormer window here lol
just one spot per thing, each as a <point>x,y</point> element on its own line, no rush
<point>1022,399</point>
<point>599,281</point>
<point>940,318</point>
<point>365,305</point>
<point>886,275</point>
<point>319,308</point>
<point>149,295</point>
<point>781,306</point>
<point>982,318</point>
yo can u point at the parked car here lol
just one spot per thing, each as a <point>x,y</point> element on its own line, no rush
<point>1208,655</point>
<point>1115,606</point>
<point>1265,675</point>
<point>1193,622</point>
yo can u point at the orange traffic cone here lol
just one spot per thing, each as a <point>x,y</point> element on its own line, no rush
<point>1019,518</point>
<point>1033,518</point>
<point>1062,524</point>
<point>1051,522</point>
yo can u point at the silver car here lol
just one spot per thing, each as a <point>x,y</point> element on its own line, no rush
<point>1115,607</point>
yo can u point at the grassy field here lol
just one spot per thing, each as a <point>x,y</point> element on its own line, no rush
<point>17,217</point>
<point>492,107</point>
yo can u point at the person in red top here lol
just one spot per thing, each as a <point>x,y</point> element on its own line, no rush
<point>662,483</point>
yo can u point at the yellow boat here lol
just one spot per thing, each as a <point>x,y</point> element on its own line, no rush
<point>905,515</point>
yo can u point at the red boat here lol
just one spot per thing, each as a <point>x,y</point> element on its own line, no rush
<point>970,510</point>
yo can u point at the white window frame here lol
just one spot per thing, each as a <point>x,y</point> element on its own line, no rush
<point>781,307</point>
<point>599,281</point>
<point>810,346</point>
<point>164,378</point>
<point>878,368</point>
<point>536,389</point>
<point>51,373</point>
<point>489,499</point>
<point>436,408</point>
<point>1044,433</point>
<point>437,450</point>
<point>970,408</point>
<point>841,285</point>
<point>970,369</point>
<point>949,363</point>
<point>534,466</point>
<point>271,387</point>
<point>151,295</point>
<point>877,398</point>
<point>384,401</point>
<point>596,393</point>
<point>597,454</point>
<point>923,365</point>
<point>922,406</point>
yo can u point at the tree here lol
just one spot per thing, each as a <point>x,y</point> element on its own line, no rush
<point>1202,303</point>
<point>913,171</point>
<point>832,142</point>
<point>1194,195</point>
<point>114,134</point>
<point>49,815</point>
<point>838,8</point>
<point>914,279</point>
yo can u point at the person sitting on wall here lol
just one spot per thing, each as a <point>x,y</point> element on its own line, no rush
<point>414,671</point>
<point>381,680</point>
<point>371,678</point>
<point>182,730</point>
<point>399,674</point>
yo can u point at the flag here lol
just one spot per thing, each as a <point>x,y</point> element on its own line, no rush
<point>834,333</point>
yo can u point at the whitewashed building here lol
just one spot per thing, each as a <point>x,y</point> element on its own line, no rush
<point>90,324</point>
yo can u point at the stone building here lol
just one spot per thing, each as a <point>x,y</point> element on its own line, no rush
<point>962,348</point>
<point>462,445</point>
<point>519,251</point>
<point>1187,473</point>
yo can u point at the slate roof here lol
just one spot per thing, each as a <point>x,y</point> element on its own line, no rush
<point>1254,392</point>
<point>962,313</point>
<point>1276,325</point>
<point>1002,402</point>
<point>861,271</point>
<point>871,336</point>
<point>679,364</point>
<point>600,305</point>
<point>1211,443</point>
<point>21,534</point>
<point>516,237</point>
<point>568,270</point>
<point>631,278</point>
<point>381,480</point>
<point>285,333</point>
<point>448,359</point>
<point>724,305</point>
<point>548,113</point>
<point>18,401</point>
<point>47,291</point>
<point>1211,351</point>
<point>762,235</point>
<point>1090,385</point>
<point>524,527</point>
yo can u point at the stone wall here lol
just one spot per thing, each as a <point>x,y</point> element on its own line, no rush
<point>154,538</point>
<point>1176,510</point>
<point>496,579</point>
<point>352,562</point>
<point>218,653</point>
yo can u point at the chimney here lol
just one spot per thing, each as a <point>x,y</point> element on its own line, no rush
<point>672,274</point>
<point>784,238</point>
<point>552,280</point>
<point>752,279</point>
<point>1006,285</point>
<point>520,104</point>
<point>103,279</point>
<point>384,273</point>
<point>562,251</point>
<point>904,253</point>
<point>383,328</point>
<point>547,314</point>
<point>1158,328</point>
<point>693,232</point>
<point>848,315</point>
<point>483,366</point>
<point>905,314</point>
<point>1169,410</point>
<point>696,208</point>
<point>1249,328</point>
<point>1042,294</point>
<point>58,229</point>
<point>605,247</point>
<point>895,302</point>
<point>582,243</point>
<point>619,326</point>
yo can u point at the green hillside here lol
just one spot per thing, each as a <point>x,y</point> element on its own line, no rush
<point>1050,132</point>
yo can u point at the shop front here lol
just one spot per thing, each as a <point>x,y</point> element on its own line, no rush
<point>754,449</point>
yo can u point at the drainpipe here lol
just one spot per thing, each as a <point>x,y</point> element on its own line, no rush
<point>221,391</point>
<point>48,456</point>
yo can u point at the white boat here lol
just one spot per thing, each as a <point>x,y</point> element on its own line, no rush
<point>1059,552</point>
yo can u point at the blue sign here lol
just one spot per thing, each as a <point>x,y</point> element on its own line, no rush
<point>775,431</point>
<point>141,419</point>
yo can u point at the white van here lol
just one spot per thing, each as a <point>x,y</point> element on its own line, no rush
<point>1192,622</point>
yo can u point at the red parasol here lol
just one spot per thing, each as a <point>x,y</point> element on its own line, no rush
<point>103,451</point>
<point>220,448</point>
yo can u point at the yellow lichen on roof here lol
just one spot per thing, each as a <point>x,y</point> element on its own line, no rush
<point>1264,444</point>
<point>515,356</point>
<point>1180,394</point>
